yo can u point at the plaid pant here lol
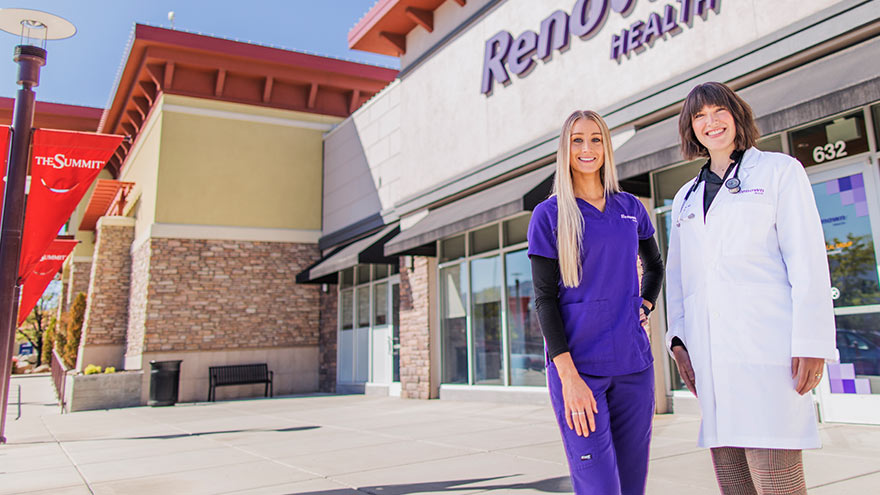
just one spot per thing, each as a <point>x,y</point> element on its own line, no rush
<point>742,471</point>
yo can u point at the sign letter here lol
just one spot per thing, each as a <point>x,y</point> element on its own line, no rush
<point>493,60</point>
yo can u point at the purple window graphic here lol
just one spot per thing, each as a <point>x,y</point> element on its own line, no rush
<point>852,192</point>
<point>842,378</point>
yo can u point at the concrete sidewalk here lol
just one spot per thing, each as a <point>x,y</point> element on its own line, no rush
<point>335,445</point>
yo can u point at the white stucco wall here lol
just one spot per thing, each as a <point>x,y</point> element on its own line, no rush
<point>434,123</point>
<point>449,126</point>
<point>362,162</point>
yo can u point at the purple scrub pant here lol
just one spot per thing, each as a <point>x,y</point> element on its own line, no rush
<point>613,459</point>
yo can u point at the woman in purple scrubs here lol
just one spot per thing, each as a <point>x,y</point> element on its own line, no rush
<point>583,243</point>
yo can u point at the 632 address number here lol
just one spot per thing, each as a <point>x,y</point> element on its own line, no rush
<point>829,151</point>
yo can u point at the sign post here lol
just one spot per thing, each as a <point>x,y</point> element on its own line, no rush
<point>33,28</point>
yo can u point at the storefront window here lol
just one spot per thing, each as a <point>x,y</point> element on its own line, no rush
<point>526,341</point>
<point>380,271</point>
<point>453,324</point>
<point>830,140</point>
<point>669,181</point>
<point>875,110</point>
<point>486,318</point>
<point>346,278</point>
<point>485,239</point>
<point>363,306</point>
<point>452,249</point>
<point>516,229</point>
<point>858,341</point>
<point>772,143</point>
<point>363,274</point>
<point>347,305</point>
<point>380,304</point>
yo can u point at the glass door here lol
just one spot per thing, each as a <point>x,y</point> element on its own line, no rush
<point>381,348</point>
<point>395,330</point>
<point>847,198</point>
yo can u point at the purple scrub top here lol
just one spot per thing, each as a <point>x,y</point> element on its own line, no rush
<point>601,315</point>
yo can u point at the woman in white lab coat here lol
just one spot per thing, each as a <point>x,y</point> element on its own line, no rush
<point>750,317</point>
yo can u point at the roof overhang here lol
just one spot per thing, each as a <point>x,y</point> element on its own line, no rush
<point>516,195</point>
<point>369,249</point>
<point>384,27</point>
<point>176,62</point>
<point>106,195</point>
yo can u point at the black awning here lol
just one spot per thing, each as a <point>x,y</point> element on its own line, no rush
<point>836,83</point>
<point>369,249</point>
<point>516,195</point>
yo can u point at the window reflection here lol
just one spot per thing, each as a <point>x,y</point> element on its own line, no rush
<point>526,341</point>
<point>486,318</point>
<point>453,324</point>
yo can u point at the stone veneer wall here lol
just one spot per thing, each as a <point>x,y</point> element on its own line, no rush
<point>137,302</point>
<point>415,335</point>
<point>106,318</point>
<point>80,276</point>
<point>225,295</point>
<point>327,340</point>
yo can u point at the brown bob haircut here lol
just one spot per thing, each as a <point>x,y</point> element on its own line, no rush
<point>715,94</point>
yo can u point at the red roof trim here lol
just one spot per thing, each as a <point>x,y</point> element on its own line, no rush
<point>265,53</point>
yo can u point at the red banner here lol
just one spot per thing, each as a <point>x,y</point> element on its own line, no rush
<point>4,156</point>
<point>65,165</point>
<point>43,273</point>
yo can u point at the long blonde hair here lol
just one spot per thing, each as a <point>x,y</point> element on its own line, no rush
<point>570,222</point>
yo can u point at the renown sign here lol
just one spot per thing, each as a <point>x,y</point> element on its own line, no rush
<point>587,17</point>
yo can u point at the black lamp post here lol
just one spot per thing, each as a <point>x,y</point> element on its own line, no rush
<point>34,28</point>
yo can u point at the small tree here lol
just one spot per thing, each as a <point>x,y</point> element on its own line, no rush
<point>49,340</point>
<point>34,327</point>
<point>74,329</point>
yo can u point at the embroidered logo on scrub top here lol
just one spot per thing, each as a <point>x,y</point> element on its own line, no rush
<point>586,457</point>
<point>629,217</point>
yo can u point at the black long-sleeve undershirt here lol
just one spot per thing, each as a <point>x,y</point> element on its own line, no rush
<point>545,280</point>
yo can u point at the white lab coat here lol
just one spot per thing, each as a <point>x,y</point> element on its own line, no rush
<point>748,288</point>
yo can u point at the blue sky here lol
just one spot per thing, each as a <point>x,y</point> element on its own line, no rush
<point>82,70</point>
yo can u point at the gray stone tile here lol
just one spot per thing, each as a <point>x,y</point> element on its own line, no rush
<point>859,485</point>
<point>157,465</point>
<point>59,478</point>
<point>372,457</point>
<point>217,479</point>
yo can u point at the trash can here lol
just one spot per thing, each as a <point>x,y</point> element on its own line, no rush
<point>164,382</point>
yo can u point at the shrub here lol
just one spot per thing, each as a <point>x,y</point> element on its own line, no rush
<point>110,369</point>
<point>74,329</point>
<point>92,369</point>
<point>49,340</point>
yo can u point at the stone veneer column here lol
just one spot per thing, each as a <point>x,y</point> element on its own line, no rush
<point>327,341</point>
<point>419,365</point>
<point>106,319</point>
<point>80,273</point>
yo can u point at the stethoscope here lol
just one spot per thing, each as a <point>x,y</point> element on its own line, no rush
<point>733,185</point>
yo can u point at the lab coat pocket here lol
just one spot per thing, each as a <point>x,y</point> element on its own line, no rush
<point>588,328</point>
<point>747,225</point>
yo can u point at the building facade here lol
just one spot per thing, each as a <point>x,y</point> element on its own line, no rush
<point>192,238</point>
<point>428,187</point>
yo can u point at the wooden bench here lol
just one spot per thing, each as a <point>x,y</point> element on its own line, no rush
<point>239,374</point>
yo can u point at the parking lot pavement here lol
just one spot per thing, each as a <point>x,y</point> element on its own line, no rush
<point>351,444</point>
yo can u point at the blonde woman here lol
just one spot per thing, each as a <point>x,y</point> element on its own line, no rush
<point>583,243</point>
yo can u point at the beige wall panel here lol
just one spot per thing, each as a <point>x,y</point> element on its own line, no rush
<point>141,167</point>
<point>239,169</point>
